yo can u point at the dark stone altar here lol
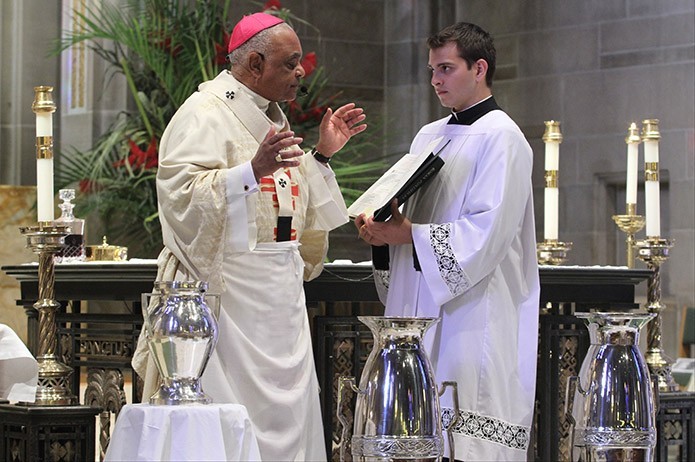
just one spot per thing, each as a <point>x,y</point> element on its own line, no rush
<point>47,433</point>
<point>101,345</point>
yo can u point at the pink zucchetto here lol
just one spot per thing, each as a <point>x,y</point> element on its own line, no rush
<point>249,26</point>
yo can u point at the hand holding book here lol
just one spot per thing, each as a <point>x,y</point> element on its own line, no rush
<point>405,177</point>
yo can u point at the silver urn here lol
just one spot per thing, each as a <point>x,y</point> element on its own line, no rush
<point>181,332</point>
<point>613,412</point>
<point>397,413</point>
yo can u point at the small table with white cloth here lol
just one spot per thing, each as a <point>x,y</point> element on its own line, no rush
<point>199,432</point>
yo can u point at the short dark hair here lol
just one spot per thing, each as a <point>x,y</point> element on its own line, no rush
<point>472,42</point>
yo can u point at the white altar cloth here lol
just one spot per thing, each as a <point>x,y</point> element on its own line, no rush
<point>204,432</point>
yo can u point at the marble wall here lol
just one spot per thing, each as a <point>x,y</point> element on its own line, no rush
<point>16,204</point>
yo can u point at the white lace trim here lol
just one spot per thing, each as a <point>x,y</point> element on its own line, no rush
<point>488,428</point>
<point>452,273</point>
<point>382,277</point>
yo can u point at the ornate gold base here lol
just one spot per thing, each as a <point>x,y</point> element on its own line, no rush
<point>551,252</point>
<point>54,383</point>
<point>654,251</point>
<point>659,365</point>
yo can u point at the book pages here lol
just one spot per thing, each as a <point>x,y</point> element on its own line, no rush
<point>387,187</point>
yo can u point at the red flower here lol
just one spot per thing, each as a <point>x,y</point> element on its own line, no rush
<point>309,63</point>
<point>221,50</point>
<point>272,5</point>
<point>295,108</point>
<point>139,158</point>
<point>165,44</point>
<point>88,186</point>
<point>318,112</point>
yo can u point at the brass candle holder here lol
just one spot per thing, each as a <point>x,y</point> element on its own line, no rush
<point>630,223</point>
<point>46,239</point>
<point>43,104</point>
<point>654,251</point>
<point>552,252</point>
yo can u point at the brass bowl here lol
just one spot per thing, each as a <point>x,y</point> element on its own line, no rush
<point>106,252</point>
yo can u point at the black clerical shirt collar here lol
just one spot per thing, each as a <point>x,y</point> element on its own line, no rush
<point>473,113</point>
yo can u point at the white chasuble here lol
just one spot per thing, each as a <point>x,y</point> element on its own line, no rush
<point>220,224</point>
<point>474,238</point>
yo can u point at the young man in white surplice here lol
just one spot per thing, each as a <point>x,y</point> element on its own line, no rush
<point>463,249</point>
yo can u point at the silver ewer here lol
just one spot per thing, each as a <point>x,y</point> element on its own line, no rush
<point>397,414</point>
<point>181,332</point>
<point>613,412</point>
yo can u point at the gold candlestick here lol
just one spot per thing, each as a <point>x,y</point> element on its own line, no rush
<point>630,223</point>
<point>552,252</point>
<point>654,251</point>
<point>46,239</point>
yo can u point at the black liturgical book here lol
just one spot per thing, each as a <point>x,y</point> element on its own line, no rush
<point>400,182</point>
<point>433,163</point>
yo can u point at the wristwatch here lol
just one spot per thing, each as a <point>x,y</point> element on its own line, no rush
<point>318,156</point>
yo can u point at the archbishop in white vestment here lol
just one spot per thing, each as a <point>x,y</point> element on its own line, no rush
<point>220,226</point>
<point>474,245</point>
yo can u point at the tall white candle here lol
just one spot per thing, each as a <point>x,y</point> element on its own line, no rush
<point>632,141</point>
<point>550,222</point>
<point>650,138</point>
<point>552,155</point>
<point>44,108</point>
<point>651,190</point>
<point>44,189</point>
<point>552,138</point>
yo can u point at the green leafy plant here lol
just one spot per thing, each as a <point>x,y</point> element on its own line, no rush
<point>164,49</point>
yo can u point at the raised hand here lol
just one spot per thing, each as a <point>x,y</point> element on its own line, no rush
<point>338,127</point>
